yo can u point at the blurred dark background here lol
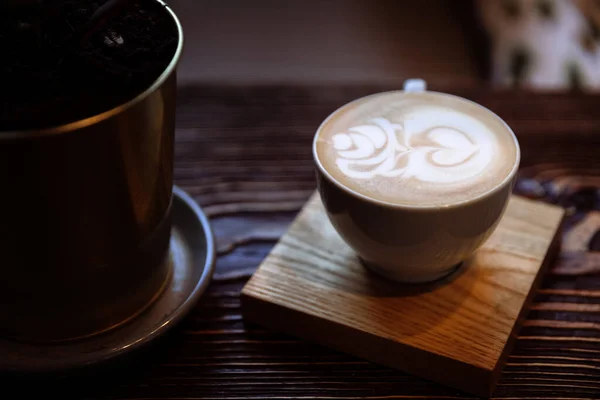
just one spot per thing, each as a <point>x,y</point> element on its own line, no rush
<point>326,41</point>
<point>534,44</point>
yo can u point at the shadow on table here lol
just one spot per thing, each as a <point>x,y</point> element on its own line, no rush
<point>97,381</point>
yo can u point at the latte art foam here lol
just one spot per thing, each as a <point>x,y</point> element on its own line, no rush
<point>416,148</point>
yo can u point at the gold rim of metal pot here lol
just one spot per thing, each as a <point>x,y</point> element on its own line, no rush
<point>72,126</point>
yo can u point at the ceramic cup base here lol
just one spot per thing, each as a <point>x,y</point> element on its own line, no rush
<point>412,279</point>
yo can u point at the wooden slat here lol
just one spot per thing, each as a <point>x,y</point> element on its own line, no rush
<point>459,333</point>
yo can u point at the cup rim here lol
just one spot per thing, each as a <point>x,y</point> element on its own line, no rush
<point>95,119</point>
<point>416,207</point>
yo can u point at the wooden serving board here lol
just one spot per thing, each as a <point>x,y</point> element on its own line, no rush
<point>457,332</point>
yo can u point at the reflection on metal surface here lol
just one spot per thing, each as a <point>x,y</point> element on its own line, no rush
<point>178,255</point>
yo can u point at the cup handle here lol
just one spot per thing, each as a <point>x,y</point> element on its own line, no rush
<point>415,85</point>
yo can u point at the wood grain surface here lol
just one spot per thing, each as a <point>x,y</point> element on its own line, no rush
<point>457,331</point>
<point>244,154</point>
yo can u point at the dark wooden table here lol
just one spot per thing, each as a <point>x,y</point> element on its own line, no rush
<point>244,154</point>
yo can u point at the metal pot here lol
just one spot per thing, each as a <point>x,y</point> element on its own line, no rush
<point>85,226</point>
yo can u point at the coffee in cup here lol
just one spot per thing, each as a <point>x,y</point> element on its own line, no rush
<point>415,180</point>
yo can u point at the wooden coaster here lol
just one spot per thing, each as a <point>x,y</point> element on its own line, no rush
<point>457,331</point>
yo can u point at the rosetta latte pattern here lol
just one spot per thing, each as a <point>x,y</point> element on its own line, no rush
<point>429,148</point>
